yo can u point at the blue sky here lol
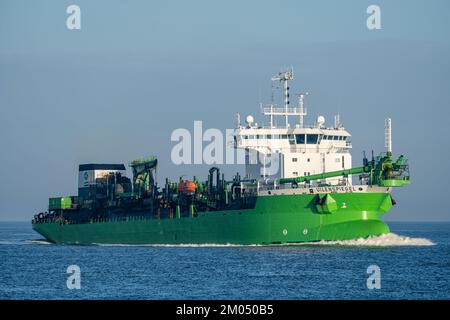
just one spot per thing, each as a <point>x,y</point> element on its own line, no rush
<point>137,70</point>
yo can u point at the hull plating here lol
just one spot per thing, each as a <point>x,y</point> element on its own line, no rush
<point>275,219</point>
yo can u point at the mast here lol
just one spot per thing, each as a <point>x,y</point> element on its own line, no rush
<point>285,76</point>
<point>285,111</point>
<point>301,106</point>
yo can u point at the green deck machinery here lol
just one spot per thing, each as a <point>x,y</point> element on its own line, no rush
<point>382,171</point>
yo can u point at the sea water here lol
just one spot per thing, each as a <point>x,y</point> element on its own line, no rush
<point>413,262</point>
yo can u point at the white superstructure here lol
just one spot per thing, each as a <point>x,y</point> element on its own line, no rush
<point>293,150</point>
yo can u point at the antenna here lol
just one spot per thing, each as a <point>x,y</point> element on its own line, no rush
<point>238,120</point>
<point>301,105</point>
<point>274,87</point>
<point>337,121</point>
<point>388,135</point>
<point>285,76</point>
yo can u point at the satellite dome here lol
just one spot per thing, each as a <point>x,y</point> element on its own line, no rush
<point>320,121</point>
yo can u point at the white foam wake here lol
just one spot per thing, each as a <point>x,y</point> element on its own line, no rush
<point>384,240</point>
<point>22,242</point>
<point>176,245</point>
<point>38,242</point>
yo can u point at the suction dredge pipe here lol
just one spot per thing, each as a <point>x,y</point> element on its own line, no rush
<point>325,175</point>
<point>380,172</point>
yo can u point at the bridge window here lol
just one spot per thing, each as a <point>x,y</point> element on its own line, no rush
<point>300,138</point>
<point>291,139</point>
<point>312,138</point>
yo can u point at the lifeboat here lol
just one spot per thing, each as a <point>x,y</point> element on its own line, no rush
<point>187,187</point>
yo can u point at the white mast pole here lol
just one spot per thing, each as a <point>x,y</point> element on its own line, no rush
<point>388,135</point>
<point>285,76</point>
<point>286,99</point>
<point>337,121</point>
<point>301,104</point>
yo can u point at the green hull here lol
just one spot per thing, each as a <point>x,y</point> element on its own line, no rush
<point>275,219</point>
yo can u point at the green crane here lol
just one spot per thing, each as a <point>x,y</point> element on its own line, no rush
<point>144,175</point>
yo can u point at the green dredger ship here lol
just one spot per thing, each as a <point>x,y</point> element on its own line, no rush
<point>287,207</point>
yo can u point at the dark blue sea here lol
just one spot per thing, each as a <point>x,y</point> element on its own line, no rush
<point>413,262</point>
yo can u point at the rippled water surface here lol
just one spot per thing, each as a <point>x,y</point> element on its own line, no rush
<point>414,262</point>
